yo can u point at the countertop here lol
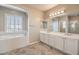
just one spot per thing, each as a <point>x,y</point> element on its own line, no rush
<point>68,35</point>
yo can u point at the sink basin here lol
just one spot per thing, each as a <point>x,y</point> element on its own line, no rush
<point>69,34</point>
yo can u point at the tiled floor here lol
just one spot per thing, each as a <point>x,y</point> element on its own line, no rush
<point>35,49</point>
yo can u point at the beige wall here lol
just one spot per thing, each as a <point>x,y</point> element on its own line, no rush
<point>1,22</point>
<point>34,17</point>
<point>72,8</point>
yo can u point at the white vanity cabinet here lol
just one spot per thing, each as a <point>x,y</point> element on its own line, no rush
<point>56,42</point>
<point>66,44</point>
<point>71,46</point>
<point>46,40</point>
<point>51,40</point>
<point>59,43</point>
<point>44,37</point>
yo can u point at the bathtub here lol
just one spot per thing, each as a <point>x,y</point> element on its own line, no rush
<point>11,42</point>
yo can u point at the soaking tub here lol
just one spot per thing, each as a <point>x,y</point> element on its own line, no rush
<point>11,42</point>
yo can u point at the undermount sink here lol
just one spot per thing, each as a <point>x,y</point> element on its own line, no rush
<point>69,34</point>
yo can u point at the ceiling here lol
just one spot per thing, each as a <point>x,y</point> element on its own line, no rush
<point>42,7</point>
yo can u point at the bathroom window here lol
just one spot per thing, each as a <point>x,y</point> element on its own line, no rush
<point>13,23</point>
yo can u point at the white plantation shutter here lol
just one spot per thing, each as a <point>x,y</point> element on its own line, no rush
<point>13,23</point>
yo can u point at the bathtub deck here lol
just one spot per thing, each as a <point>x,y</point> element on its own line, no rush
<point>35,49</point>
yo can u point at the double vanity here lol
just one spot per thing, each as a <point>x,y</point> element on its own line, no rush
<point>61,31</point>
<point>67,43</point>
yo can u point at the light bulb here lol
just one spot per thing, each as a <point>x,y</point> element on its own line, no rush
<point>49,15</point>
<point>62,11</point>
<point>58,12</point>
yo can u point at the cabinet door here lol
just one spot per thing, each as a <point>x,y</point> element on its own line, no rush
<point>46,38</point>
<point>51,40</point>
<point>59,43</point>
<point>71,46</point>
<point>42,37</point>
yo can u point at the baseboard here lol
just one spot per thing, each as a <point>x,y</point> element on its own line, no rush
<point>33,42</point>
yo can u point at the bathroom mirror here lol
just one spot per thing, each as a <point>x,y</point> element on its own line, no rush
<point>59,24</point>
<point>44,23</point>
<point>62,24</point>
<point>55,25</point>
<point>73,24</point>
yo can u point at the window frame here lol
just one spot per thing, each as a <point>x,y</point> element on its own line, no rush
<point>6,29</point>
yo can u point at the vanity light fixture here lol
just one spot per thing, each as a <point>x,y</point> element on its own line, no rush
<point>57,13</point>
